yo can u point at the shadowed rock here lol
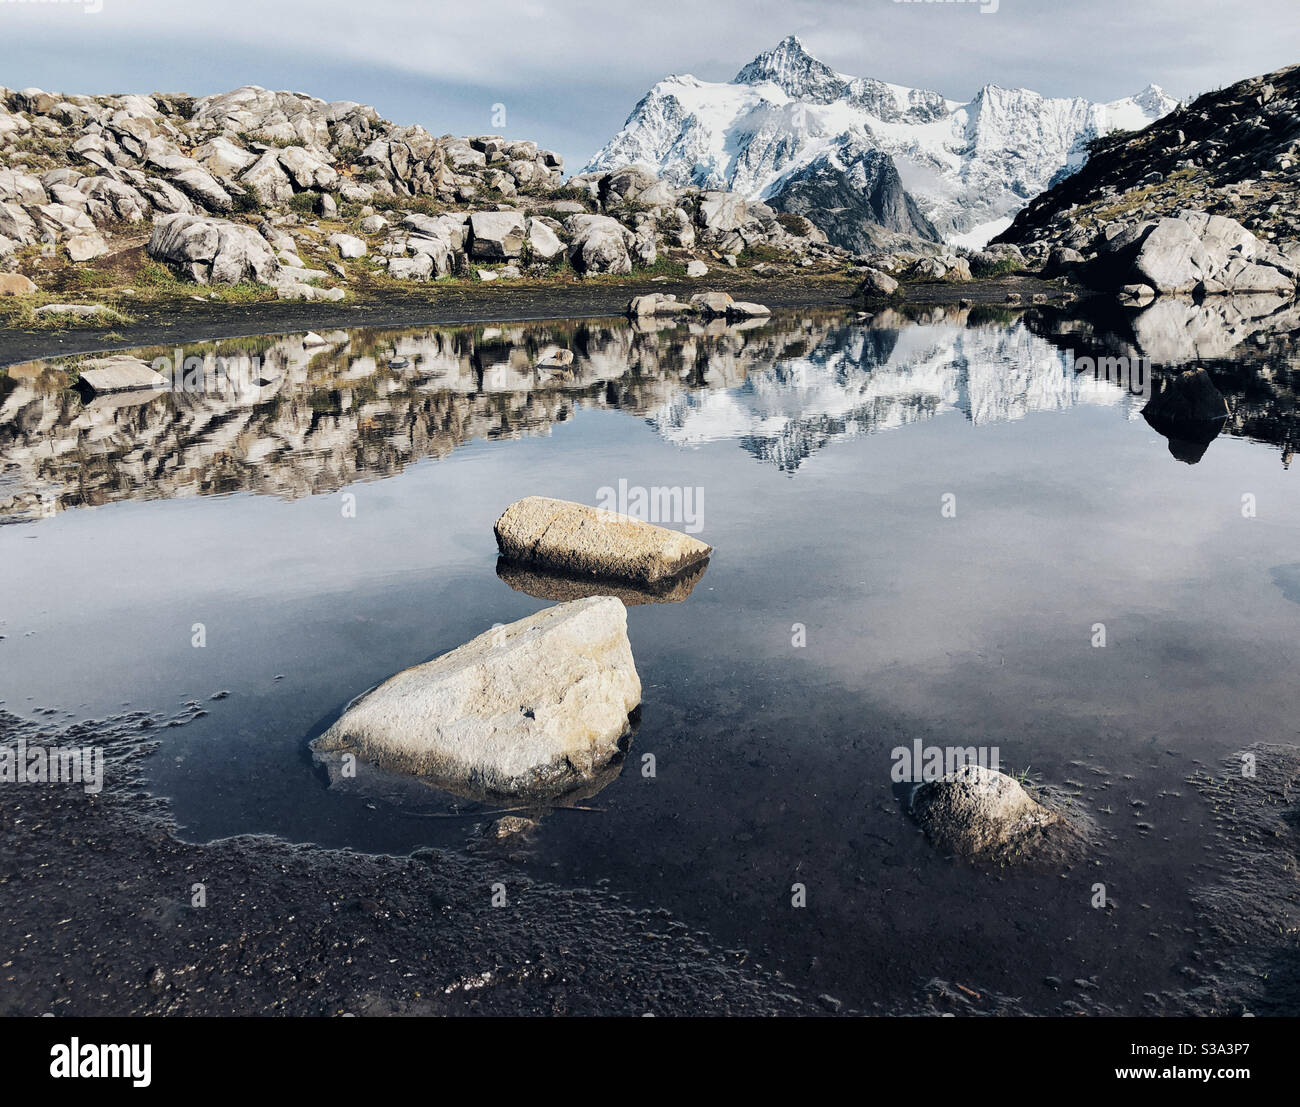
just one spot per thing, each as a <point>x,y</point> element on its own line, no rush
<point>1190,412</point>
<point>1189,398</point>
<point>575,539</point>
<point>535,708</point>
<point>560,588</point>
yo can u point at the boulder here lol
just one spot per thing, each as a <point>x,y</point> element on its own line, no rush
<point>1062,261</point>
<point>348,246</point>
<point>120,374</point>
<point>1188,398</point>
<point>984,815</point>
<point>268,181</point>
<point>15,284</point>
<point>496,235</point>
<point>202,187</point>
<point>743,309</point>
<point>721,211</point>
<point>598,244</point>
<point>588,541</point>
<point>418,268</point>
<point>534,708</point>
<point>657,303</point>
<point>877,283</point>
<point>84,247</point>
<point>213,251</point>
<point>1195,252</point>
<point>543,243</point>
<point>710,304</point>
<point>75,311</point>
<point>696,268</point>
<point>223,158</point>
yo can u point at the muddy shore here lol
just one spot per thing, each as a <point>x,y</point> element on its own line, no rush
<point>98,917</point>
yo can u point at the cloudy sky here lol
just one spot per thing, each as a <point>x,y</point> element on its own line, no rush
<point>569,71</point>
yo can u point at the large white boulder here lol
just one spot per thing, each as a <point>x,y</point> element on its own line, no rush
<point>496,235</point>
<point>1195,252</point>
<point>598,244</point>
<point>213,251</point>
<point>532,708</point>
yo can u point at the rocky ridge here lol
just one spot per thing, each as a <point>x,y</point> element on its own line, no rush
<point>1204,201</point>
<point>286,190</point>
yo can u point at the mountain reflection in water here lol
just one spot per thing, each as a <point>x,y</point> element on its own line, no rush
<point>371,402</point>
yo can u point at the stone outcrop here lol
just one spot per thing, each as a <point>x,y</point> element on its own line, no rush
<point>336,180</point>
<point>1193,253</point>
<point>534,708</point>
<point>213,251</point>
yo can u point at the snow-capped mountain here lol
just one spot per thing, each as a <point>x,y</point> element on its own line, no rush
<point>785,116</point>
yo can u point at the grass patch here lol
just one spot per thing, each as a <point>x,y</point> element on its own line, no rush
<point>982,270</point>
<point>25,317</point>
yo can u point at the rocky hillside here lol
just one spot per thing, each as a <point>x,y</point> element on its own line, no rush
<point>1234,152</point>
<point>787,116</point>
<point>1205,200</point>
<point>284,190</point>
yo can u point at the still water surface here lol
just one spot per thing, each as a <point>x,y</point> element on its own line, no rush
<point>824,451</point>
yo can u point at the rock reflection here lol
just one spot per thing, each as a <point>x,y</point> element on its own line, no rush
<point>369,402</point>
<point>559,588</point>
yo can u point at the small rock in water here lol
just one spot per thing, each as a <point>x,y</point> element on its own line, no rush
<point>311,338</point>
<point>511,825</point>
<point>1189,397</point>
<point>984,815</point>
<point>574,538</point>
<point>120,374</point>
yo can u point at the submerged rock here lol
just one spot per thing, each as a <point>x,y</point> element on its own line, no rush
<point>533,708</point>
<point>120,374</point>
<point>984,815</point>
<point>576,539</point>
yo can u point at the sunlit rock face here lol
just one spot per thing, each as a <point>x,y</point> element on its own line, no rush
<point>534,708</point>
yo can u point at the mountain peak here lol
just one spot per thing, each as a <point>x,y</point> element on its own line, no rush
<point>790,67</point>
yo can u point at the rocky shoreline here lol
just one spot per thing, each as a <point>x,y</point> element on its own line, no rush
<point>101,918</point>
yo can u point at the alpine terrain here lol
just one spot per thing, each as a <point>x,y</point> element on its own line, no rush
<point>792,132</point>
